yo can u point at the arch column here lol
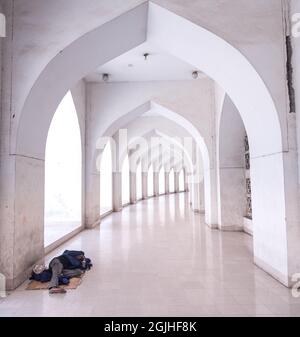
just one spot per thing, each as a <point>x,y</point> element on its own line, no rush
<point>132,177</point>
<point>198,197</point>
<point>132,181</point>
<point>202,204</point>
<point>117,191</point>
<point>92,195</point>
<point>176,181</point>
<point>186,184</point>
<point>167,186</point>
<point>117,176</point>
<point>156,183</point>
<point>28,243</point>
<point>145,185</point>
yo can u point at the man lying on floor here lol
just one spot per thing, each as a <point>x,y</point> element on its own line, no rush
<point>71,263</point>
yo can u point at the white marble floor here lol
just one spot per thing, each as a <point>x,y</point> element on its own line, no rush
<point>157,258</point>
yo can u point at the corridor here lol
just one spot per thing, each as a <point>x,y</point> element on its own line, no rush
<point>158,258</point>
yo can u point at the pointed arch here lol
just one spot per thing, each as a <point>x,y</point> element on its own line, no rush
<point>63,175</point>
<point>223,63</point>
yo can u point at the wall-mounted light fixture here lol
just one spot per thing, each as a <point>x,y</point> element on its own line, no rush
<point>146,55</point>
<point>105,77</point>
<point>195,74</point>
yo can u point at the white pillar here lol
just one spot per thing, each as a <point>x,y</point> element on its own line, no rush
<point>92,197</point>
<point>156,183</point>
<point>144,185</point>
<point>198,197</point>
<point>176,182</point>
<point>132,187</point>
<point>117,191</point>
<point>167,187</point>
<point>202,203</point>
<point>186,184</point>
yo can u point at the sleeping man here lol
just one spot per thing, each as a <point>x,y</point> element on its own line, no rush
<point>70,264</point>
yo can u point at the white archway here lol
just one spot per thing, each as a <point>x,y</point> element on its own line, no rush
<point>141,146</point>
<point>219,60</point>
<point>199,171</point>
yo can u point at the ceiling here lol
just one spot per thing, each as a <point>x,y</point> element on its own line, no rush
<point>132,67</point>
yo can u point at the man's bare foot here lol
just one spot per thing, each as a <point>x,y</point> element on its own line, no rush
<point>57,290</point>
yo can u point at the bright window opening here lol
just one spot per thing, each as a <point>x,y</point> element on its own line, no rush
<point>161,178</point>
<point>63,178</point>
<point>139,181</point>
<point>181,181</point>
<point>106,180</point>
<point>172,181</point>
<point>125,182</point>
<point>150,181</point>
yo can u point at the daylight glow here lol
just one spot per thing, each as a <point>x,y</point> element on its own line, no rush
<point>161,178</point>
<point>125,182</point>
<point>106,180</point>
<point>181,181</point>
<point>63,165</point>
<point>139,181</point>
<point>150,181</point>
<point>172,181</point>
